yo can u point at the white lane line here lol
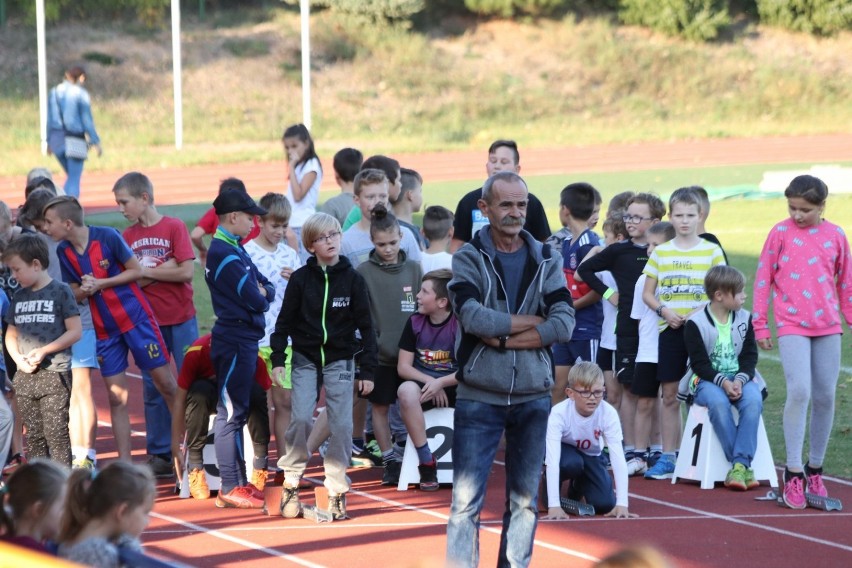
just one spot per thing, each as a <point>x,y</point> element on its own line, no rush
<point>236,540</point>
<point>106,424</point>
<point>497,531</point>
<point>739,521</point>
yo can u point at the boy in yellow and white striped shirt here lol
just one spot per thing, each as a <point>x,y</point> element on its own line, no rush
<point>674,288</point>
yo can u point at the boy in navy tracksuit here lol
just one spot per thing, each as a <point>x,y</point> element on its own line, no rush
<point>240,295</point>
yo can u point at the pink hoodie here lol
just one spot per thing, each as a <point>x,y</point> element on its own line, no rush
<point>810,270</point>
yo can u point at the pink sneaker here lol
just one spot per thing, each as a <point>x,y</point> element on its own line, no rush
<point>815,485</point>
<point>794,493</point>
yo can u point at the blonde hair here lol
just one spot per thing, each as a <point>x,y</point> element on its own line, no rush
<point>316,225</point>
<point>584,374</point>
<point>634,557</point>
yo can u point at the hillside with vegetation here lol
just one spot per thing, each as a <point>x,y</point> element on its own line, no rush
<point>446,83</point>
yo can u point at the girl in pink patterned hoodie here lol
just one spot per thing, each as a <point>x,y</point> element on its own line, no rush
<point>806,270</point>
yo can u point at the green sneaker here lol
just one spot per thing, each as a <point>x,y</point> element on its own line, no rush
<point>750,481</point>
<point>373,447</point>
<point>736,478</point>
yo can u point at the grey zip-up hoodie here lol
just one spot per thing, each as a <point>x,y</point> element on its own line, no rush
<point>513,376</point>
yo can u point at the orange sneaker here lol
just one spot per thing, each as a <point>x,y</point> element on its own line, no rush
<point>198,488</point>
<point>258,479</point>
<point>239,498</point>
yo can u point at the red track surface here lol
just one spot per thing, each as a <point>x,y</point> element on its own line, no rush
<point>199,184</point>
<point>696,528</point>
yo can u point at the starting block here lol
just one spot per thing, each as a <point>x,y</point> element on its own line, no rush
<point>814,501</point>
<point>576,508</point>
<point>701,457</point>
<point>439,432</point>
<point>315,514</point>
<point>211,465</point>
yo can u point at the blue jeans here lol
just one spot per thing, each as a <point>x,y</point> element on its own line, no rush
<point>739,441</point>
<point>478,427</point>
<point>74,171</point>
<point>158,419</point>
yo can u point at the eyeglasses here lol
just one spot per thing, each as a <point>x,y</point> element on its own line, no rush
<point>589,394</point>
<point>635,219</point>
<point>326,238</point>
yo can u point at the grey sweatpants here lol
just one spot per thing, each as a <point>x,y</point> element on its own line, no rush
<point>811,368</point>
<point>337,379</point>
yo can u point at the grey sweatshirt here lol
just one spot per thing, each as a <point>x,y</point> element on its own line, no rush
<point>513,376</point>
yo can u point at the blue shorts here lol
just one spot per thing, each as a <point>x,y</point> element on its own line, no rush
<point>145,343</point>
<point>84,353</point>
<point>576,350</point>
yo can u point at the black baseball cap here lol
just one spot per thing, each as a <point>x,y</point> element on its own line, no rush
<point>233,200</point>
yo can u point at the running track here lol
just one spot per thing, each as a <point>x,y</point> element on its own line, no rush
<point>199,184</point>
<point>695,528</point>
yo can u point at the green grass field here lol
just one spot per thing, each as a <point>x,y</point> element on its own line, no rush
<point>740,224</point>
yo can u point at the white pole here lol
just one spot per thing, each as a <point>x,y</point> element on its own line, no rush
<point>306,63</point>
<point>176,71</point>
<point>42,75</point>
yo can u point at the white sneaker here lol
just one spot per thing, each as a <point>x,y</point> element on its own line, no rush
<point>636,466</point>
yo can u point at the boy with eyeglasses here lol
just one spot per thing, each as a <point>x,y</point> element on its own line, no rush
<point>577,431</point>
<point>626,260</point>
<point>325,303</point>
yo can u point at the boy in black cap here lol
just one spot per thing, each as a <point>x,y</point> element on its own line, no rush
<point>240,295</point>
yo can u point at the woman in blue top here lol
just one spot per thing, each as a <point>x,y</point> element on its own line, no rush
<point>69,112</point>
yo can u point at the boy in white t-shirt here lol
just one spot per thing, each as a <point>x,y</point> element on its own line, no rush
<point>438,231</point>
<point>646,358</point>
<point>577,431</point>
<point>276,260</point>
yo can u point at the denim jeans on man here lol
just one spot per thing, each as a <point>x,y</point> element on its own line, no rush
<point>478,427</point>
<point>739,440</point>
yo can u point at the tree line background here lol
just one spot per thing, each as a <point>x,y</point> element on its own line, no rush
<point>697,20</point>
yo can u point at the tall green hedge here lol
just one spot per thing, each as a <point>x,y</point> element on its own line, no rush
<point>698,20</point>
<point>818,17</point>
<point>509,8</point>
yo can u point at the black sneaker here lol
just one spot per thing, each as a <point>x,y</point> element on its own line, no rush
<point>428,476</point>
<point>653,458</point>
<point>290,505</point>
<point>365,458</point>
<point>391,474</point>
<point>160,467</point>
<point>337,506</point>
